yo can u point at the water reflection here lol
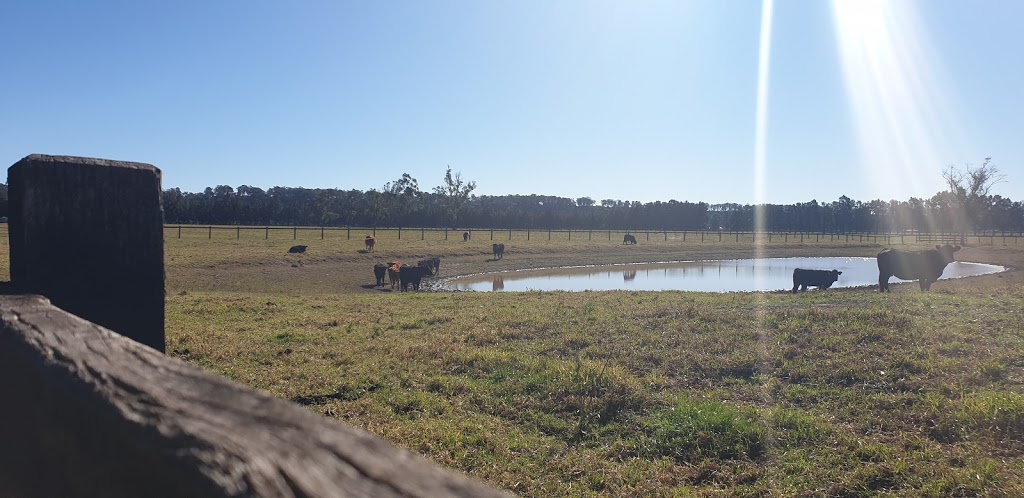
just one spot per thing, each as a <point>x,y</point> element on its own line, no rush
<point>707,276</point>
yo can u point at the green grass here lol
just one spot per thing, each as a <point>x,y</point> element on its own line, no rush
<point>844,392</point>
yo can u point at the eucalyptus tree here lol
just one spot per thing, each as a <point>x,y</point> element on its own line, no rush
<point>453,193</point>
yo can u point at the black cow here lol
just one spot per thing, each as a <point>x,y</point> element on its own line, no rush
<point>434,263</point>
<point>409,274</point>
<point>924,266</point>
<point>822,279</point>
<point>297,250</point>
<point>379,271</point>
<point>499,250</point>
<point>465,236</point>
<point>628,239</point>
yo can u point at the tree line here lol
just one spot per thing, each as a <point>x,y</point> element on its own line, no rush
<point>968,205</point>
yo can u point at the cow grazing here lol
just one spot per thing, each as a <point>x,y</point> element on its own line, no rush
<point>393,273</point>
<point>465,236</point>
<point>924,266</point>
<point>297,250</point>
<point>370,241</point>
<point>628,239</point>
<point>499,250</point>
<point>379,271</point>
<point>822,279</point>
<point>409,274</point>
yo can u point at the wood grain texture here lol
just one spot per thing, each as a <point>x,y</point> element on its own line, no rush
<point>87,412</point>
<point>88,234</point>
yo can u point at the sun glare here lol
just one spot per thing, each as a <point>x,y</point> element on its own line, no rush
<point>896,95</point>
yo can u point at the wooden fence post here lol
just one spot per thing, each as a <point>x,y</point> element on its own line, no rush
<point>88,234</point>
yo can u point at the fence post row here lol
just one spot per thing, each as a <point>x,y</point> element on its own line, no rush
<point>888,237</point>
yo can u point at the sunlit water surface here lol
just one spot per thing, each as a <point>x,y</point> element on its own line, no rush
<point>734,275</point>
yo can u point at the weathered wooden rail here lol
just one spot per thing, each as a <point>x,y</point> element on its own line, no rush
<point>88,411</point>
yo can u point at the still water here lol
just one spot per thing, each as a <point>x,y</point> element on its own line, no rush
<point>707,276</point>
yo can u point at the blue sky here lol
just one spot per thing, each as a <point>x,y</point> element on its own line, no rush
<point>638,100</point>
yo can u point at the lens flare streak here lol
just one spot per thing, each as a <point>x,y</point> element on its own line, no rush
<point>897,94</point>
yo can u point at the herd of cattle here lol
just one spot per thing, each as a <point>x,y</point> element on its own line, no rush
<point>924,266</point>
<point>403,275</point>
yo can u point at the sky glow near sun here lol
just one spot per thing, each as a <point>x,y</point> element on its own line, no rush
<point>897,94</point>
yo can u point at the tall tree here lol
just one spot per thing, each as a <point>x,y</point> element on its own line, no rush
<point>453,194</point>
<point>401,197</point>
<point>971,187</point>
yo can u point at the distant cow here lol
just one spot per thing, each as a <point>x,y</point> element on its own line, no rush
<point>410,274</point>
<point>297,250</point>
<point>628,239</point>
<point>499,250</point>
<point>434,263</point>
<point>465,236</point>
<point>822,279</point>
<point>393,269</point>
<point>924,266</point>
<point>370,242</point>
<point>379,271</point>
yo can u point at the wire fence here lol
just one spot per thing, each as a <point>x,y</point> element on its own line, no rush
<point>639,236</point>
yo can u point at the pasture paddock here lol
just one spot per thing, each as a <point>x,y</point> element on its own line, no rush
<point>627,393</point>
<point>843,392</point>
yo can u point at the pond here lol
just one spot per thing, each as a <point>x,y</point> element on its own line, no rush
<point>734,275</point>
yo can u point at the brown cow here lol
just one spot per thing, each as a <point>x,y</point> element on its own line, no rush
<point>393,273</point>
<point>924,266</point>
<point>370,242</point>
<point>499,250</point>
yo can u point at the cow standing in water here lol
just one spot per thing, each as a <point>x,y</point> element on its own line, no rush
<point>924,266</point>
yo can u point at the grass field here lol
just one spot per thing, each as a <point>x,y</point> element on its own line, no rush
<point>833,393</point>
